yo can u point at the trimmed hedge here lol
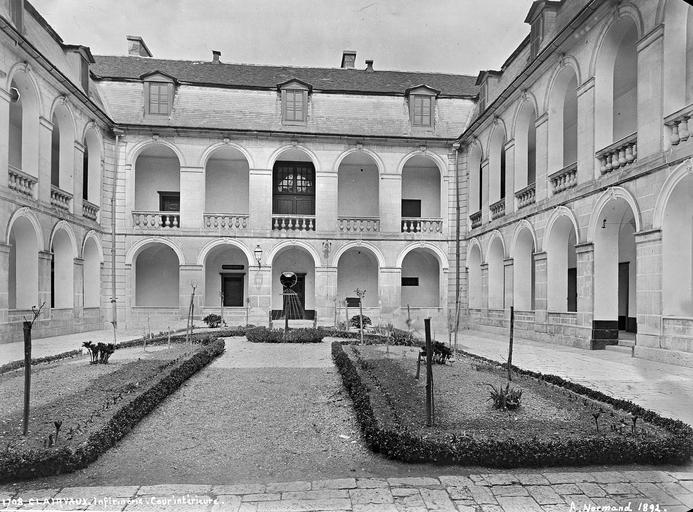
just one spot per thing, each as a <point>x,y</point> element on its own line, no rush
<point>265,335</point>
<point>15,365</point>
<point>401,444</point>
<point>19,465</point>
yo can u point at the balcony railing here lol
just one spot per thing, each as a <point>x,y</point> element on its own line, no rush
<point>618,154</point>
<point>89,210</point>
<point>358,224</point>
<point>526,196</point>
<point>156,220</point>
<point>21,182</point>
<point>475,218</point>
<point>226,220</point>
<point>293,222</point>
<point>421,225</point>
<point>60,198</point>
<point>498,208</point>
<point>563,179</point>
<point>679,125</point>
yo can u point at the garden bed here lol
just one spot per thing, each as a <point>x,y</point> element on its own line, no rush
<point>95,404</point>
<point>265,335</point>
<point>554,425</point>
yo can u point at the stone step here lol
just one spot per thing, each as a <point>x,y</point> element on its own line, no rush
<point>626,343</point>
<point>620,348</point>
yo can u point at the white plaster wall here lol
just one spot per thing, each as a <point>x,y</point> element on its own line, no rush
<point>153,174</point>
<point>570,123</point>
<point>358,190</point>
<point>293,260</point>
<point>358,269</point>
<point>626,253</point>
<point>15,135</point>
<point>474,269</point>
<point>625,88</point>
<point>523,271</point>
<point>156,277</point>
<point>423,183</point>
<point>223,255</point>
<point>677,247</point>
<point>226,186</point>
<point>63,268</point>
<point>23,271</point>
<point>425,266</point>
<point>496,281</point>
<point>560,256</point>
<point>92,275</point>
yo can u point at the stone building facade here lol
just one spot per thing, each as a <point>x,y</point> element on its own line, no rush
<point>128,180</point>
<point>579,180</point>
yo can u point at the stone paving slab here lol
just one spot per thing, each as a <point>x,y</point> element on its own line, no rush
<point>489,492</point>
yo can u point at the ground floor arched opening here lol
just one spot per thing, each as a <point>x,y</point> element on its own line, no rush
<point>474,277</point>
<point>561,261</point>
<point>92,274</point>
<point>523,271</point>
<point>677,258</point>
<point>23,265</point>
<point>299,302</point>
<point>157,277</point>
<point>420,279</point>
<point>496,275</point>
<point>62,271</point>
<point>226,278</point>
<point>357,268</point>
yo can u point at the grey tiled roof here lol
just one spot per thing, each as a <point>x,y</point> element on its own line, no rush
<point>263,77</point>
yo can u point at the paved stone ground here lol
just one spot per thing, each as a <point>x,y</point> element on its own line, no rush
<point>489,492</point>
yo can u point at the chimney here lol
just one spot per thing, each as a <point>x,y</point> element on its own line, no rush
<point>348,59</point>
<point>369,66</point>
<point>216,54</point>
<point>137,47</point>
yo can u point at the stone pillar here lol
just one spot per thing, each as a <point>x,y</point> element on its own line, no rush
<point>585,297</point>
<point>260,208</point>
<point>390,291</point>
<point>192,197</point>
<point>188,275</point>
<point>510,177</point>
<point>4,140</point>
<point>78,287</point>
<point>484,206</point>
<point>325,291</point>
<point>509,269</point>
<point>325,201</point>
<point>650,89</point>
<point>587,165</point>
<point>648,255</point>
<point>542,141</point>
<point>44,168</point>
<point>390,203</point>
<point>260,294</point>
<point>44,278</point>
<point>484,289</point>
<point>540,292</point>
<point>4,281</point>
<point>78,179</point>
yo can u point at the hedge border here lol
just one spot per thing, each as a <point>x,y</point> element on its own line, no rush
<point>22,465</point>
<point>402,444</point>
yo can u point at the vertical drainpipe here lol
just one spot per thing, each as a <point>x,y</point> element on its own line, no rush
<point>456,147</point>
<point>114,307</point>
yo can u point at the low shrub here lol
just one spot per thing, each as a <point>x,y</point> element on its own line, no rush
<point>398,442</point>
<point>100,352</point>
<point>505,398</point>
<point>17,464</point>
<point>265,335</point>
<point>15,365</point>
<point>212,320</point>
<point>356,322</point>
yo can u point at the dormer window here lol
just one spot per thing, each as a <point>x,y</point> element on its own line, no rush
<point>294,98</point>
<point>84,75</point>
<point>536,35</point>
<point>17,14</point>
<point>158,94</point>
<point>422,106</point>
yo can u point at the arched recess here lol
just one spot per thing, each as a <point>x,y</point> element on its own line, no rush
<point>673,213</point>
<point>25,240</point>
<point>293,243</point>
<point>359,244</point>
<point>474,159</point>
<point>422,190</point>
<point>294,175</point>
<point>207,154</point>
<point>358,183</point>
<point>615,220</point>
<point>496,162</point>
<point>64,248</point>
<point>678,54</point>
<point>615,66</point>
<point>227,181</point>
<point>300,304</point>
<point>495,257</point>
<point>157,274</point>
<point>562,109</point>
<point>421,278</point>
<point>358,267</point>
<point>226,265</point>
<point>560,240</point>
<point>525,143</point>
<point>92,254</point>
<point>62,145</point>
<point>91,164</point>
<point>23,132</point>
<point>523,249</point>
<point>157,183</point>
<point>474,259</point>
<point>434,249</point>
<point>135,249</point>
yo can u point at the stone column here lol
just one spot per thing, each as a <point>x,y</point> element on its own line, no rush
<point>78,179</point>
<point>325,291</point>
<point>587,165</point>
<point>326,201</point>
<point>648,279</point>
<point>484,289</point>
<point>192,197</point>
<point>510,177</point>
<point>44,278</point>
<point>390,203</point>
<point>189,274</point>
<point>484,206</point>
<point>650,89</point>
<point>542,140</point>
<point>585,292</point>
<point>78,287</point>
<point>509,269</point>
<point>4,281</point>
<point>390,292</point>
<point>44,168</point>
<point>540,292</point>
<point>4,140</point>
<point>260,208</point>
<point>260,294</point>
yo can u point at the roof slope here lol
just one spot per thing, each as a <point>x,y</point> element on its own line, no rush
<point>263,77</point>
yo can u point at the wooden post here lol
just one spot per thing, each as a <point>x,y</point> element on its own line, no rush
<point>346,312</point>
<point>510,347</point>
<point>408,319</point>
<point>27,373</point>
<point>221,307</point>
<point>335,311</point>
<point>360,294</point>
<point>429,374</point>
<point>247,312</point>
<point>169,337</point>
<point>418,366</point>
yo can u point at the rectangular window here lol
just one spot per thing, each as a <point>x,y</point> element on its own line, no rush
<point>411,207</point>
<point>295,106</point>
<point>17,13</point>
<point>159,98</point>
<point>169,201</point>
<point>421,106</point>
<point>410,281</point>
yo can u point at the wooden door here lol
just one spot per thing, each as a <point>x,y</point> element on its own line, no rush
<point>232,286</point>
<point>293,188</point>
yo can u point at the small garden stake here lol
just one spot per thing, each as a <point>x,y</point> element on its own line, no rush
<point>430,411</point>
<point>28,325</point>
<point>361,294</point>
<point>510,344</point>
